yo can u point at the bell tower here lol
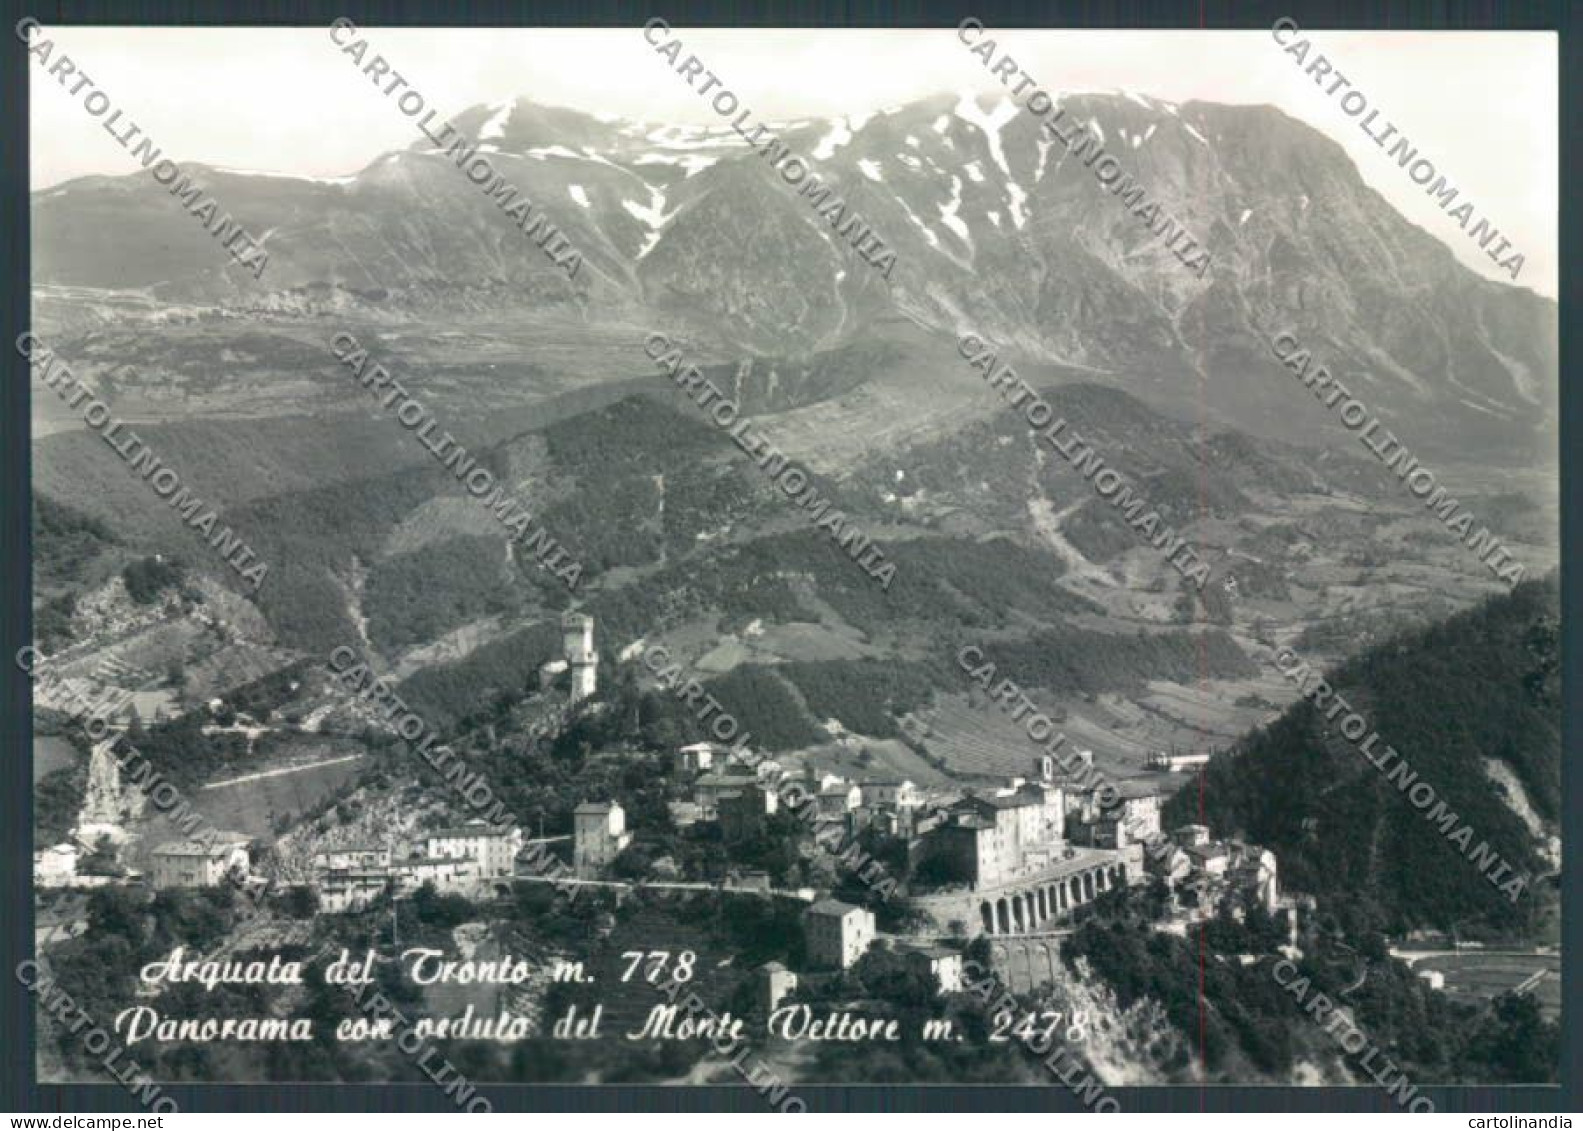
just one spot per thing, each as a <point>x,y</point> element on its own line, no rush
<point>577,644</point>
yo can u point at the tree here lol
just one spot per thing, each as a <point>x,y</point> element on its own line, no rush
<point>893,977</point>
<point>443,911</point>
<point>146,578</point>
<point>101,860</point>
<point>297,902</point>
<point>117,911</point>
<point>1514,1044</point>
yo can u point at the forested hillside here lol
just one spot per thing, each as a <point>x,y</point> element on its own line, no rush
<point>1480,686</point>
<point>66,541</point>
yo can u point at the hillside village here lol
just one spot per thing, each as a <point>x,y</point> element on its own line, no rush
<point>820,875</point>
<point>942,865</point>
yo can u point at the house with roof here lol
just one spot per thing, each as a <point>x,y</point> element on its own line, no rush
<point>491,847</point>
<point>56,866</point>
<point>838,798</point>
<point>695,758</point>
<point>451,875</point>
<point>709,788</point>
<point>362,857</point>
<point>742,815</point>
<point>351,889</point>
<point>836,934</point>
<point>940,964</point>
<point>1170,865</point>
<point>890,792</point>
<point>600,833</point>
<point>199,864</point>
<point>986,840</point>
<point>775,981</point>
<point>1210,859</point>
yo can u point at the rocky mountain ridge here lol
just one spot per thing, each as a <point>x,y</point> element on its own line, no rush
<point>996,229</point>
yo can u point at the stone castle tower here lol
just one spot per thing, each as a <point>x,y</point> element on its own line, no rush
<point>577,642</point>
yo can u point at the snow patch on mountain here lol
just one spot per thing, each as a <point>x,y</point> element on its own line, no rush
<point>496,126</point>
<point>928,232</point>
<point>1019,203</point>
<point>1481,408</point>
<point>652,216</point>
<point>840,134</point>
<point>949,216</point>
<point>990,123</point>
<point>543,151</point>
<point>1524,379</point>
<point>1044,145</point>
<point>689,163</point>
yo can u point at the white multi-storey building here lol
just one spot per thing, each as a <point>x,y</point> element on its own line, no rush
<point>492,849</point>
<point>837,933</point>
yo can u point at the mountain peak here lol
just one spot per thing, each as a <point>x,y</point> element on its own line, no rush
<point>993,223</point>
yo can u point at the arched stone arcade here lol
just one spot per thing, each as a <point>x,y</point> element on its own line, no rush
<point>1035,908</point>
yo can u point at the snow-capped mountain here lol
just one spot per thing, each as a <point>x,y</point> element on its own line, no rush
<point>995,228</point>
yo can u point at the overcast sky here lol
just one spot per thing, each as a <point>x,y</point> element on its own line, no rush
<point>1481,106</point>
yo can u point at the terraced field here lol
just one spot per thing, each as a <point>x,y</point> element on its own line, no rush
<point>887,759</point>
<point>973,741</point>
<point>1209,712</point>
<point>250,806</point>
<point>233,666</point>
<point>136,659</point>
<point>985,741</point>
<point>1478,978</point>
